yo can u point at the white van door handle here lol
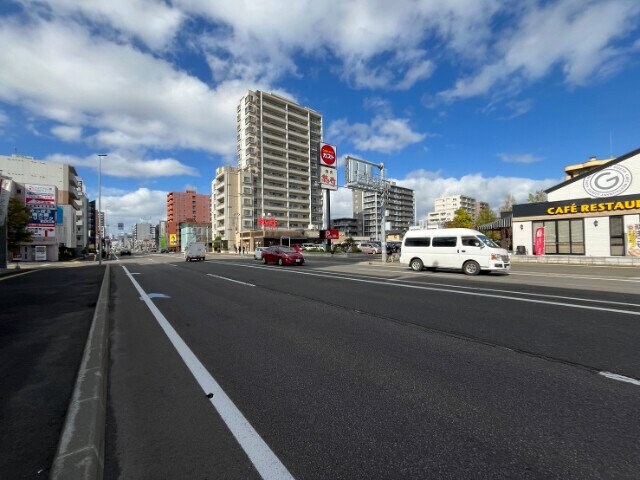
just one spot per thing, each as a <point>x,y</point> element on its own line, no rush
<point>463,251</point>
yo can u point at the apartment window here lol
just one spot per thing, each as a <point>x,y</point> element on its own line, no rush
<point>246,213</point>
<point>247,190</point>
<point>616,236</point>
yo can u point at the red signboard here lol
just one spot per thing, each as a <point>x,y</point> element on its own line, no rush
<point>331,234</point>
<point>328,156</point>
<point>267,222</point>
<point>538,245</point>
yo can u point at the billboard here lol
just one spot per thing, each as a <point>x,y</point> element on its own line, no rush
<point>40,195</point>
<point>364,175</point>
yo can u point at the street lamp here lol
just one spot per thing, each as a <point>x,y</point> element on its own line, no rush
<point>100,155</point>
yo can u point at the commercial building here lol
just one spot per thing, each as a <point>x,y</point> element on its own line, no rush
<point>185,207</point>
<point>273,191</point>
<point>58,203</point>
<point>399,207</point>
<point>595,213</point>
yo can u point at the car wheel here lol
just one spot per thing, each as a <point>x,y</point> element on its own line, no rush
<point>280,261</point>
<point>416,265</point>
<point>471,267</point>
<point>264,260</point>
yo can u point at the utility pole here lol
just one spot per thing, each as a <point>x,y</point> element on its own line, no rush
<point>100,155</point>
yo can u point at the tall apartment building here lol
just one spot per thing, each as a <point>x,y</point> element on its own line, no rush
<point>71,223</point>
<point>185,207</point>
<point>275,181</point>
<point>399,206</point>
<point>445,208</point>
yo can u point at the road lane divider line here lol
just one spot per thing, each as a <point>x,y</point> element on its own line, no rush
<point>260,454</point>
<point>620,378</point>
<point>459,292</point>
<point>230,280</point>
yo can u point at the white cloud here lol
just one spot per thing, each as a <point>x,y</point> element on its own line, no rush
<point>126,165</point>
<point>378,44</point>
<point>383,134</point>
<point>153,22</point>
<point>523,158</point>
<point>130,207</point>
<point>430,185</point>
<point>578,35</point>
<point>58,71</point>
<point>67,133</point>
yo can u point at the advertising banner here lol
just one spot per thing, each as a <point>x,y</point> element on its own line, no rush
<point>173,240</point>
<point>633,239</point>
<point>538,245</point>
<point>42,217</point>
<point>332,234</point>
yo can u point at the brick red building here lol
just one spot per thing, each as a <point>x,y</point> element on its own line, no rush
<point>186,207</point>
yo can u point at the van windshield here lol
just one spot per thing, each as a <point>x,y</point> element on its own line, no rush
<point>488,242</point>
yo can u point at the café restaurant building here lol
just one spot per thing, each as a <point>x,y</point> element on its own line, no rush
<point>594,214</point>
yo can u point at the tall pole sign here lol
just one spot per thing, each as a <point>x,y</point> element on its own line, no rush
<point>328,162</point>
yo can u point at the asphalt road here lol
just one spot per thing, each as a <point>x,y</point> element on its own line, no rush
<point>45,317</point>
<point>341,369</point>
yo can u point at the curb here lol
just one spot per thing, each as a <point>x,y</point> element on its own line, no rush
<point>80,453</point>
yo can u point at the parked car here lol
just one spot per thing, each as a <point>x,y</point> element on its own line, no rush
<point>297,247</point>
<point>257,253</point>
<point>370,248</point>
<point>282,256</point>
<point>125,251</point>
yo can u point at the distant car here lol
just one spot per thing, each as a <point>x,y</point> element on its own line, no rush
<point>164,250</point>
<point>125,251</point>
<point>370,248</point>
<point>282,256</point>
<point>257,253</point>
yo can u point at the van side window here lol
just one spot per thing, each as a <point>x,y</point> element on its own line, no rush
<point>470,242</point>
<point>445,241</point>
<point>417,242</point>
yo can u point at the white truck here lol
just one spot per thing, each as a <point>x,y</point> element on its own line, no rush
<point>195,251</point>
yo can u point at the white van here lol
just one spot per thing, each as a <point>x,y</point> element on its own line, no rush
<point>457,248</point>
<point>195,251</point>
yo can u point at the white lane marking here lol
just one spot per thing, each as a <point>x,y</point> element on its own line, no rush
<point>230,279</point>
<point>515,292</point>
<point>577,277</point>
<point>620,378</point>
<point>171,264</point>
<point>268,465</point>
<point>459,292</point>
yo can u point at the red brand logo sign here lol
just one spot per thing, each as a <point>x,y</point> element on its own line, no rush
<point>328,155</point>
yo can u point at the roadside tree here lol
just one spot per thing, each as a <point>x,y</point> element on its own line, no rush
<point>17,218</point>
<point>462,219</point>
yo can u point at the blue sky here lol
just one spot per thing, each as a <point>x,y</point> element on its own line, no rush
<point>479,97</point>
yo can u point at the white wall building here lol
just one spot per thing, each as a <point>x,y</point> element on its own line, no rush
<point>72,230</point>
<point>445,208</point>
<point>399,209</point>
<point>594,214</point>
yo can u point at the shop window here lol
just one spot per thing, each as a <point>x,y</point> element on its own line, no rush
<point>562,237</point>
<point>616,236</point>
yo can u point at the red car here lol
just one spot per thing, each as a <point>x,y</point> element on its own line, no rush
<point>297,247</point>
<point>282,256</point>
